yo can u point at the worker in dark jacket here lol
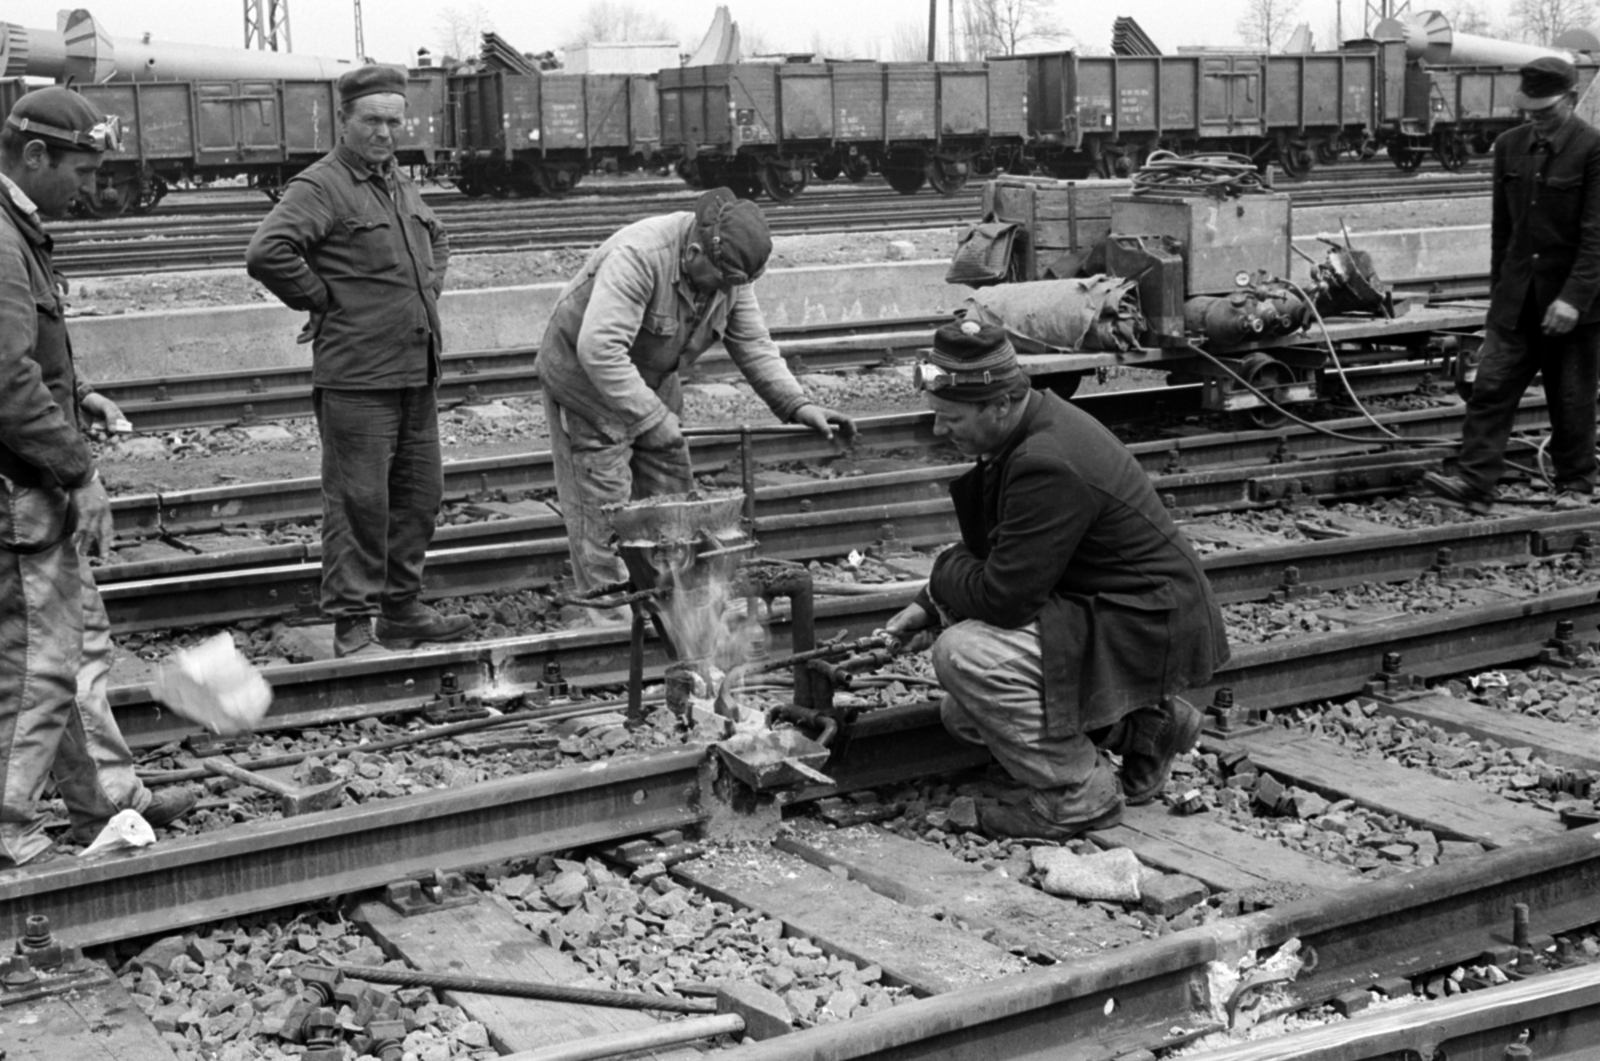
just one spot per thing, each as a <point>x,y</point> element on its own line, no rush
<point>55,719</point>
<point>1074,611</point>
<point>352,243</point>
<point>1544,316</point>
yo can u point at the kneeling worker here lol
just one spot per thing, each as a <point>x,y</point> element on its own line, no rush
<point>650,300</point>
<point>1077,610</point>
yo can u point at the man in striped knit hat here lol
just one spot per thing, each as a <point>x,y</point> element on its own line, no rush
<point>1073,611</point>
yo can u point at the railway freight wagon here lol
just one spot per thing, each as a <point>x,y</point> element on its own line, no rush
<point>1101,115</point>
<point>263,130</point>
<point>1454,111</point>
<point>767,127</point>
<point>515,135</point>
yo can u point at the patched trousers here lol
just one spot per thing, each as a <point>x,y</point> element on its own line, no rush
<point>994,698</point>
<point>55,656</point>
<point>596,466</point>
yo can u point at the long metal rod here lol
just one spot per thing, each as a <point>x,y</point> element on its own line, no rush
<point>484,985</point>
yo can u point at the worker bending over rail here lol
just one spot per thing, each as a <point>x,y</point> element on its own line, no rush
<point>1544,299</point>
<point>647,303</point>
<point>55,639</point>
<point>352,243</point>
<point>1073,610</point>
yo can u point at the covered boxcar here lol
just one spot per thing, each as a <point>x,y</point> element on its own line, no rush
<point>768,126</point>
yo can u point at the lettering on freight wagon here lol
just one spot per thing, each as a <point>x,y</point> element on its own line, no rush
<point>1135,104</point>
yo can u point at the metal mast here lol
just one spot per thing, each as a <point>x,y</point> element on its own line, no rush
<point>361,40</point>
<point>1378,10</point>
<point>266,25</point>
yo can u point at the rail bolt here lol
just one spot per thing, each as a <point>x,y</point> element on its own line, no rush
<point>1223,701</point>
<point>1291,576</point>
<point>1391,663</point>
<point>36,932</point>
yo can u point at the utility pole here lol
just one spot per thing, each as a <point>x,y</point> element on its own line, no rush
<point>361,40</point>
<point>933,30</point>
<point>951,20</point>
<point>266,25</point>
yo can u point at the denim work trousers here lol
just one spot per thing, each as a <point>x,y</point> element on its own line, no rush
<point>1511,358</point>
<point>382,485</point>
<point>994,698</point>
<point>595,468</point>
<point>55,654</point>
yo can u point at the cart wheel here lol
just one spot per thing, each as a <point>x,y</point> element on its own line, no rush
<point>1451,150</point>
<point>1271,377</point>
<point>948,176</point>
<point>905,177</point>
<point>1329,150</point>
<point>785,180</point>
<point>857,168</point>
<point>1296,159</point>
<point>827,168</point>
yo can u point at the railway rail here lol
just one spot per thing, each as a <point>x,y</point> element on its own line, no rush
<point>157,244</point>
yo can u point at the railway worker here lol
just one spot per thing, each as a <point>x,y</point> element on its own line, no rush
<point>648,301</point>
<point>352,243</point>
<point>55,720</point>
<point>1073,611</point>
<point>1544,313</point>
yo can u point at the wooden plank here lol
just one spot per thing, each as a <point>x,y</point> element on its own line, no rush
<point>485,939</point>
<point>1574,745</point>
<point>847,918</point>
<point>1455,811</point>
<point>1223,858</point>
<point>1060,233</point>
<point>92,1024</point>
<point>931,879</point>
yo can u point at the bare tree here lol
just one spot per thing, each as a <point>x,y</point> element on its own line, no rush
<point>1267,23</point>
<point>1468,17</point>
<point>457,29</point>
<point>1542,21</point>
<point>908,42</point>
<point>621,20</point>
<point>1002,27</point>
<point>753,41</point>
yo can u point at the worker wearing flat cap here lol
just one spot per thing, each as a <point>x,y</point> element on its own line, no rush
<point>645,305</point>
<point>55,641</point>
<point>1071,613</point>
<point>352,243</point>
<point>1544,302</point>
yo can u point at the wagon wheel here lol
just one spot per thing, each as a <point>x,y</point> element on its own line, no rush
<point>1451,150</point>
<point>1329,150</point>
<point>857,168</point>
<point>1367,150</point>
<point>985,164</point>
<point>151,192</point>
<point>827,168</point>
<point>1481,142</point>
<point>1405,158</point>
<point>112,199</point>
<point>1297,159</point>
<point>948,176</point>
<point>785,180</point>
<point>553,181</point>
<point>1271,377</point>
<point>743,185</point>
<point>905,179</point>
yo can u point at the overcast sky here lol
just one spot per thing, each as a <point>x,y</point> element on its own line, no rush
<point>396,28</point>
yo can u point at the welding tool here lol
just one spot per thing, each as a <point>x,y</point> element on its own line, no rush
<point>292,800</point>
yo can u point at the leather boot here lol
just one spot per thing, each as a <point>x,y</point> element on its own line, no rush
<point>405,625</point>
<point>1154,737</point>
<point>353,637</point>
<point>1058,814</point>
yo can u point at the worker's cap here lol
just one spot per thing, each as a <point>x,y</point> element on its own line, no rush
<point>62,118</point>
<point>1544,81</point>
<point>369,81</point>
<point>734,235</point>
<point>970,362</point>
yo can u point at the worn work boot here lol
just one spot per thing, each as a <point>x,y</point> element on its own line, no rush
<point>1452,488</point>
<point>353,637</point>
<point>1057,814</point>
<point>1156,736</point>
<point>1572,501</point>
<point>164,808</point>
<point>414,622</point>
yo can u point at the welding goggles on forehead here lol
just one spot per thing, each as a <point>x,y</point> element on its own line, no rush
<point>931,377</point>
<point>106,136</point>
<point>711,238</point>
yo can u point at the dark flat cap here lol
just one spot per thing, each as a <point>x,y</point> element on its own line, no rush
<point>369,81</point>
<point>734,233</point>
<point>1544,81</point>
<point>63,118</point>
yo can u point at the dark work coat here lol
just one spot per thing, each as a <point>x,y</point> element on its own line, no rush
<point>1063,526</point>
<point>1545,228</point>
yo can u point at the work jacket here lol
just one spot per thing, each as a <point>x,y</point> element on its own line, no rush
<point>1545,231</point>
<point>625,325</point>
<point>40,441</point>
<point>365,256</point>
<point>1062,526</point>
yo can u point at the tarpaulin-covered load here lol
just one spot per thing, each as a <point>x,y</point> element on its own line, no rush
<point>1091,313</point>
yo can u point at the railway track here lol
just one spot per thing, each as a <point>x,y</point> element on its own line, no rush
<point>187,241</point>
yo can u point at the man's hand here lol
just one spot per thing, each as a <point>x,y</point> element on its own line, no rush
<point>825,421</point>
<point>93,509</point>
<point>907,622</point>
<point>666,435</point>
<point>313,327</point>
<point>106,411</point>
<point>1560,318</point>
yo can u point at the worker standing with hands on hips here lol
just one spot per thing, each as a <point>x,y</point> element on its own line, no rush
<point>1544,299</point>
<point>55,639</point>
<point>647,303</point>
<point>352,243</point>
<point>1074,611</point>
